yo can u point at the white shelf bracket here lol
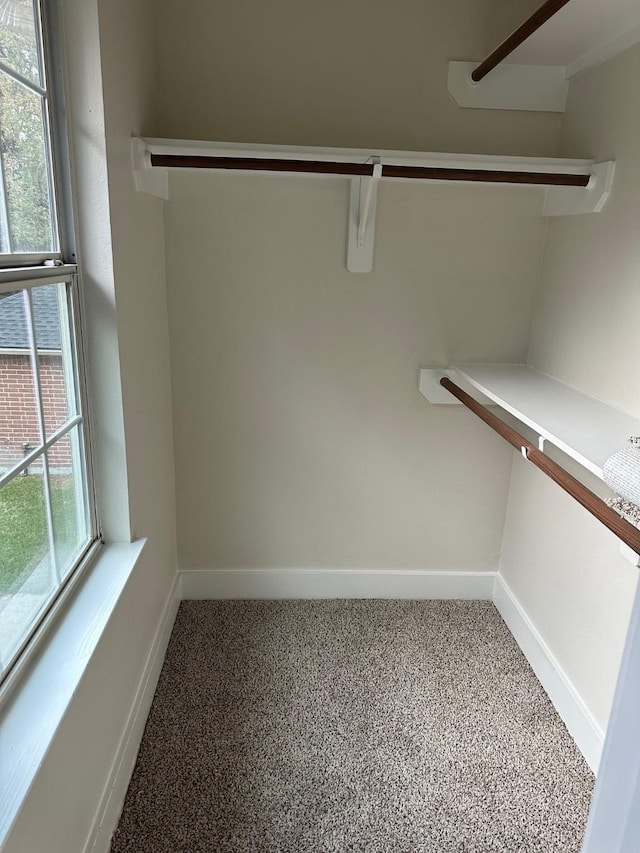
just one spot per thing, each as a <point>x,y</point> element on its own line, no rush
<point>362,220</point>
<point>570,201</point>
<point>509,87</point>
<point>147,179</point>
<point>430,387</point>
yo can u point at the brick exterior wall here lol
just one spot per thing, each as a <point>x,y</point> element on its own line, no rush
<point>18,417</point>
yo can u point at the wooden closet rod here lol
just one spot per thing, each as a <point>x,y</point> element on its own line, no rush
<point>629,534</point>
<point>321,167</point>
<point>539,17</point>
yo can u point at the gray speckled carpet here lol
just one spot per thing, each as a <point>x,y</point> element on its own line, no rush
<point>377,726</point>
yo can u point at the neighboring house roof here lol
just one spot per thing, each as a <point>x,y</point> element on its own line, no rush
<point>13,326</point>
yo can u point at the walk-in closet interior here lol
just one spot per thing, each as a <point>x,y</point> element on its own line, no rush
<point>322,259</point>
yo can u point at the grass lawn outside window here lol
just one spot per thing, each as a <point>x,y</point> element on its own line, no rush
<point>23,526</point>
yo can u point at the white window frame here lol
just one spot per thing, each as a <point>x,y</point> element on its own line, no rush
<point>20,271</point>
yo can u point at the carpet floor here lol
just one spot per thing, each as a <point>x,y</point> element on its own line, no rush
<point>373,726</point>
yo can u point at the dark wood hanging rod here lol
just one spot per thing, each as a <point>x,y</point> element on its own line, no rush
<point>539,17</point>
<point>321,167</point>
<point>629,534</point>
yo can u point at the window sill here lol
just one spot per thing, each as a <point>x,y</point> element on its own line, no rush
<point>36,704</point>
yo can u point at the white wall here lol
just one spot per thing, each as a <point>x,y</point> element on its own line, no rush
<point>301,439</point>
<point>129,363</point>
<point>571,579</point>
<point>356,74</point>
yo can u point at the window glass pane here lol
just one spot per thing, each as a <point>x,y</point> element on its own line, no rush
<point>26,573</point>
<point>55,355</point>
<point>18,39</point>
<point>19,430</point>
<point>46,521</point>
<point>68,499</point>
<point>25,164</point>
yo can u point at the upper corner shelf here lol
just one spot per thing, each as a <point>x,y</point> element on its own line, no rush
<point>582,33</point>
<point>584,428</point>
<point>531,69</point>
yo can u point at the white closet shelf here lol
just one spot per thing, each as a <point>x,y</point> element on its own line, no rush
<point>582,34</point>
<point>201,148</point>
<point>584,428</point>
<point>571,186</point>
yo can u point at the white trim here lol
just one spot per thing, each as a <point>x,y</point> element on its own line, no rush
<point>112,799</point>
<point>46,688</point>
<point>27,352</point>
<point>35,368</point>
<point>336,583</point>
<point>537,88</point>
<point>614,818</point>
<point>25,277</point>
<point>582,727</point>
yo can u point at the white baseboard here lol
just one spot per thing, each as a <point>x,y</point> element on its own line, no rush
<point>335,583</point>
<point>112,799</point>
<point>582,727</point>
